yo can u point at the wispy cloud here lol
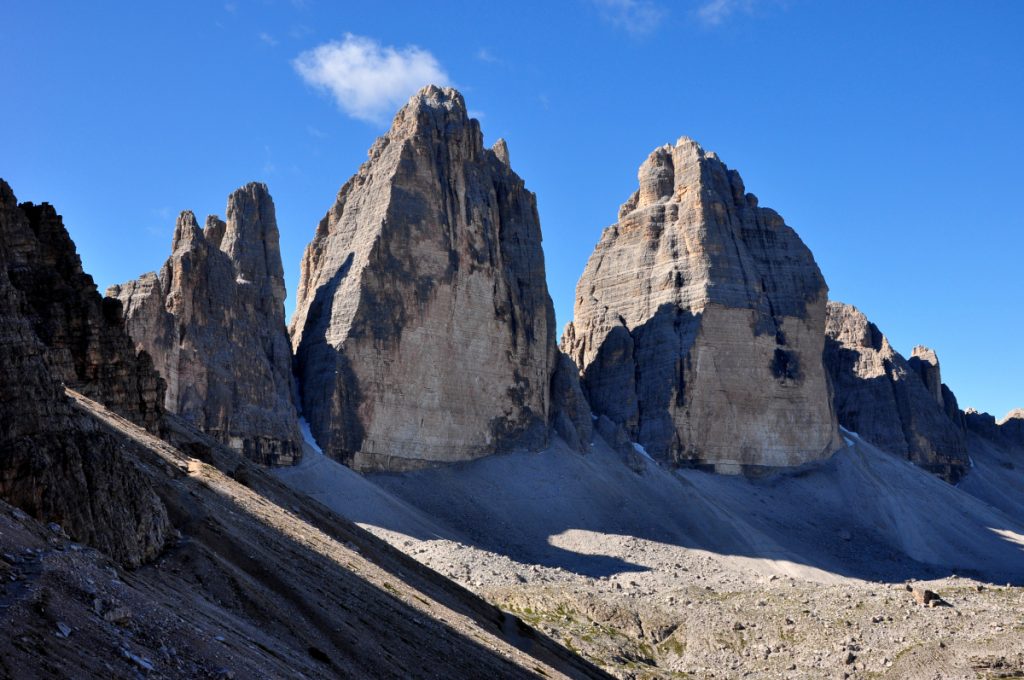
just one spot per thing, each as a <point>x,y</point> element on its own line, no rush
<point>268,39</point>
<point>369,80</point>
<point>636,17</point>
<point>714,12</point>
<point>483,54</point>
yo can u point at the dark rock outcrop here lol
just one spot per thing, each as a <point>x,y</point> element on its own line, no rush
<point>698,324</point>
<point>213,321</point>
<point>1007,433</point>
<point>1012,426</point>
<point>570,413</point>
<point>897,405</point>
<point>55,462</point>
<point>87,345</point>
<point>423,328</point>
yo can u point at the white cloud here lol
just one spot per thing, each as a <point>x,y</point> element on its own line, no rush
<point>268,39</point>
<point>368,80</point>
<point>637,17</point>
<point>715,12</point>
<point>483,54</point>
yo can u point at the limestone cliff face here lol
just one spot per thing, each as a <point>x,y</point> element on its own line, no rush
<point>423,328</point>
<point>213,321</point>
<point>88,347</point>
<point>898,405</point>
<point>698,323</point>
<point>55,463</point>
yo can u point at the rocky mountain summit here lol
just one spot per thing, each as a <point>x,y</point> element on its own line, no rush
<point>56,464</point>
<point>213,321</point>
<point>699,323</point>
<point>423,329</point>
<point>899,405</point>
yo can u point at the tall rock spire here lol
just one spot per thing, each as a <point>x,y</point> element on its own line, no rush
<point>699,320</point>
<point>213,321</point>
<point>423,329</point>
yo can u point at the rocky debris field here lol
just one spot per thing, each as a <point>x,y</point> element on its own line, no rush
<point>692,614</point>
<point>662,574</point>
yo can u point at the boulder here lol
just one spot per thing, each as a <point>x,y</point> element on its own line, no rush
<point>882,397</point>
<point>213,321</point>
<point>423,330</point>
<point>698,323</point>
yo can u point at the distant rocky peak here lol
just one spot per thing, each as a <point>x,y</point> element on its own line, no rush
<point>925,363</point>
<point>214,230</point>
<point>699,303</point>
<point>214,324</point>
<point>500,150</point>
<point>252,241</point>
<point>186,232</point>
<point>1016,414</point>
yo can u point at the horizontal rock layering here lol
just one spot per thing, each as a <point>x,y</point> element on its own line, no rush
<point>699,320</point>
<point>55,463</point>
<point>423,328</point>
<point>898,405</point>
<point>213,321</point>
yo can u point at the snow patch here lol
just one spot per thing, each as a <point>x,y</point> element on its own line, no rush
<point>307,434</point>
<point>642,451</point>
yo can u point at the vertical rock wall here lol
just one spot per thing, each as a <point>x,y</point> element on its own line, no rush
<point>423,329</point>
<point>213,321</point>
<point>699,320</point>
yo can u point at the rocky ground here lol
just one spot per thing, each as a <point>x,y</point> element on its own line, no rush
<point>800,576</point>
<point>257,582</point>
<point>693,614</point>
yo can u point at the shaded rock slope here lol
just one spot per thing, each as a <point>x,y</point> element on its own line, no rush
<point>423,329</point>
<point>262,583</point>
<point>213,321</point>
<point>56,464</point>
<point>699,323</point>
<point>898,405</point>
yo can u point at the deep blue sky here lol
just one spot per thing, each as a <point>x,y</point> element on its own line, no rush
<point>888,134</point>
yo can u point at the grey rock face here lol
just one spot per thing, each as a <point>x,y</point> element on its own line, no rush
<point>55,463</point>
<point>423,328</point>
<point>698,323</point>
<point>213,321</point>
<point>883,398</point>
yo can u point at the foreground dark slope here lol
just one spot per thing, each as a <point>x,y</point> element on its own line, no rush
<point>263,582</point>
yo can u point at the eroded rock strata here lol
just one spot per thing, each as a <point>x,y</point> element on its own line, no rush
<point>213,321</point>
<point>423,329</point>
<point>55,463</point>
<point>88,348</point>
<point>896,404</point>
<point>698,323</point>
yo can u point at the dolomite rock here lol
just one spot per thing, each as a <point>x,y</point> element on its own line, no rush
<point>88,348</point>
<point>423,330</point>
<point>881,397</point>
<point>698,324</point>
<point>213,321</point>
<point>55,463</point>
<point>1012,426</point>
<point>570,413</point>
